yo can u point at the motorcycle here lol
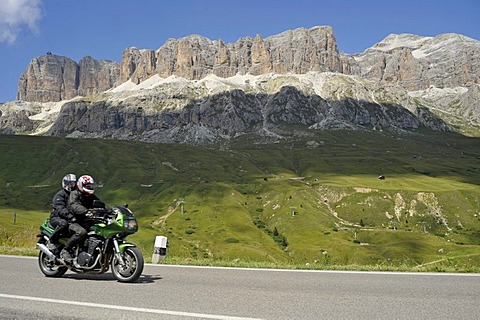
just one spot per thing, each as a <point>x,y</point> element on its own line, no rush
<point>104,246</point>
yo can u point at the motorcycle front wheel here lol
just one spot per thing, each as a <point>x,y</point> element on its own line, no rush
<point>49,267</point>
<point>133,267</point>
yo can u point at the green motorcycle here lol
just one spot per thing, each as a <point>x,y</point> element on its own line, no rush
<point>104,246</point>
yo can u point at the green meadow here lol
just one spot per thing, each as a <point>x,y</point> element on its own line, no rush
<point>349,200</point>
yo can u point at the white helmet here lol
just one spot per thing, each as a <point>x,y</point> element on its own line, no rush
<point>69,182</point>
<point>86,185</point>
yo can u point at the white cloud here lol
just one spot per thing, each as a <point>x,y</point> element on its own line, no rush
<point>17,14</point>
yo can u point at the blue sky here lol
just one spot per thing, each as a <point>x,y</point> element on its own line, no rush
<point>104,28</point>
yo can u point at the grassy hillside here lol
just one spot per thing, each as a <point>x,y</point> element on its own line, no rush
<point>313,201</point>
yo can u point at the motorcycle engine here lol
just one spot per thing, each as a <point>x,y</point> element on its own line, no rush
<point>84,259</point>
<point>93,244</point>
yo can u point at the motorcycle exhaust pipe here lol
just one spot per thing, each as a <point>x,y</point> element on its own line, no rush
<point>45,250</point>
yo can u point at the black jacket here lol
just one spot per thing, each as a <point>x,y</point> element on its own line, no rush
<point>79,203</point>
<point>60,205</point>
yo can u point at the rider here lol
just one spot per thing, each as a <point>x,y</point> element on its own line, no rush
<point>79,203</point>
<point>60,214</point>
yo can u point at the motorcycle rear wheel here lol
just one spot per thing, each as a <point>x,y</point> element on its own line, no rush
<point>49,267</point>
<point>133,265</point>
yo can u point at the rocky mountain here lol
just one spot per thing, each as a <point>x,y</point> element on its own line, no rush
<point>416,63</point>
<point>411,61</point>
<point>214,110</point>
<point>54,78</point>
<point>195,90</point>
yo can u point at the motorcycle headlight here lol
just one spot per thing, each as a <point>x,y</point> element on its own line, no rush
<point>130,224</point>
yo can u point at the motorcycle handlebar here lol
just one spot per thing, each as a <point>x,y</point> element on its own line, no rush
<point>99,213</point>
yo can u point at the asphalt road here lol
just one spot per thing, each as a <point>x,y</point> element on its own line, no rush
<point>179,292</point>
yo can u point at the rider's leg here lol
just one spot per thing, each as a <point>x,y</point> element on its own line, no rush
<point>60,225</point>
<point>79,234</point>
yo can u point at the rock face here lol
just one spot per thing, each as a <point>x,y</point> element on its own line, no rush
<point>96,76</point>
<point>198,91</point>
<point>215,110</point>
<point>55,78</point>
<point>410,61</point>
<point>15,119</point>
<point>194,57</point>
<point>49,78</point>
<point>416,63</point>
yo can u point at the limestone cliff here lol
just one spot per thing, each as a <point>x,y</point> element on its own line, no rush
<point>51,78</point>
<point>411,61</point>
<point>416,63</point>
<point>198,91</point>
<point>194,57</point>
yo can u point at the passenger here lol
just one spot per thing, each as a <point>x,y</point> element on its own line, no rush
<point>60,214</point>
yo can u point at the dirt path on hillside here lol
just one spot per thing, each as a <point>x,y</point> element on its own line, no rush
<point>170,210</point>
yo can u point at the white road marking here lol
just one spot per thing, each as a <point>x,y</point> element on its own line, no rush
<point>108,306</point>
<point>398,273</point>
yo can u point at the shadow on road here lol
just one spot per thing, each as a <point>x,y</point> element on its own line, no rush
<point>109,277</point>
<point>148,279</point>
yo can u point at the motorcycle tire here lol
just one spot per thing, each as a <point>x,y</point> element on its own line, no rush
<point>133,265</point>
<point>49,267</point>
